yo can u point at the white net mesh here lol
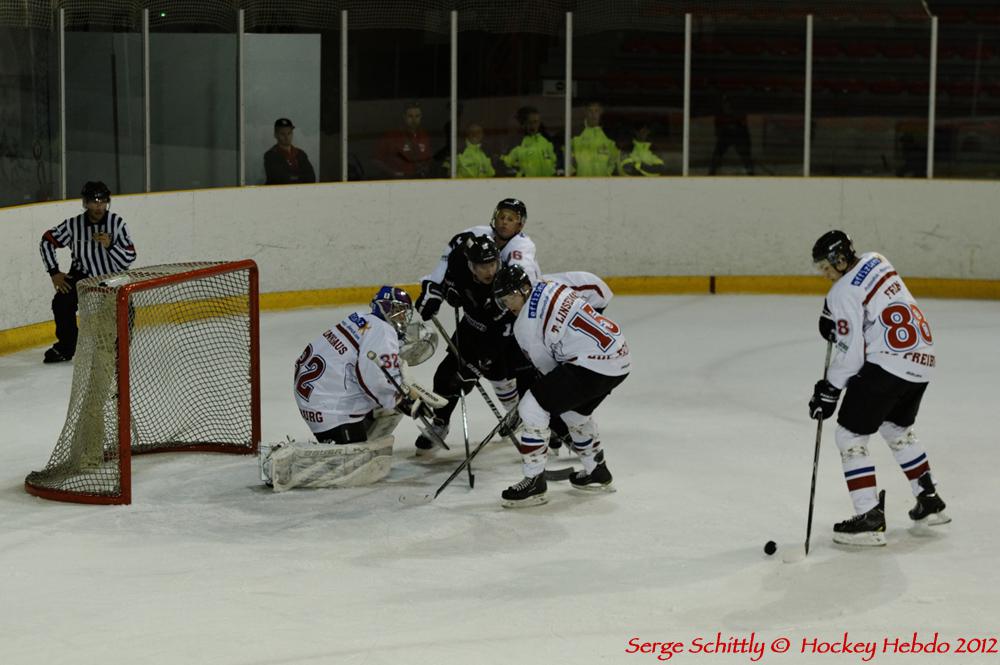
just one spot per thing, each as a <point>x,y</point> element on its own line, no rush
<point>189,375</point>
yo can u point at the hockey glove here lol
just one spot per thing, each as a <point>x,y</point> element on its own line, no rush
<point>429,301</point>
<point>510,423</point>
<point>827,328</point>
<point>414,408</point>
<point>824,400</point>
<point>452,295</point>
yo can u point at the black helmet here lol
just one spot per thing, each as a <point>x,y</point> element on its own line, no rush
<point>481,249</point>
<point>517,205</point>
<point>510,279</point>
<point>833,246</point>
<point>96,191</point>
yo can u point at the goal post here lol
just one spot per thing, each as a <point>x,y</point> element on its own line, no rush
<point>168,359</point>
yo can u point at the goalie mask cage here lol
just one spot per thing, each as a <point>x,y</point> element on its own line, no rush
<point>167,360</point>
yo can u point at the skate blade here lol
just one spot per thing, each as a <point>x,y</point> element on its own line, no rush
<point>597,487</point>
<point>536,500</point>
<point>934,519</point>
<point>865,539</point>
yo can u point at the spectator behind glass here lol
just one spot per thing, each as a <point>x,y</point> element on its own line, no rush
<point>473,162</point>
<point>534,156</point>
<point>285,164</point>
<point>731,131</point>
<point>642,161</point>
<point>405,152</point>
<point>594,154</point>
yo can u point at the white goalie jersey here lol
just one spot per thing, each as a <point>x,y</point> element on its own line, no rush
<point>519,250</point>
<point>336,382</point>
<point>876,319</point>
<point>557,325</point>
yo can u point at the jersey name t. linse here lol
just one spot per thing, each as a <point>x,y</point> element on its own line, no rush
<point>557,326</point>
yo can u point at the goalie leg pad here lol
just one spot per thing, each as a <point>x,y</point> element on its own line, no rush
<point>324,465</point>
<point>384,423</point>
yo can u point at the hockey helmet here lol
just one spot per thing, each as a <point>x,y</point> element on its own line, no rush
<point>394,306</point>
<point>510,279</point>
<point>834,246</point>
<point>96,191</point>
<point>481,249</point>
<point>514,205</point>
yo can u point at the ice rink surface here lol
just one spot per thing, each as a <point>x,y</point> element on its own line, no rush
<point>711,450</point>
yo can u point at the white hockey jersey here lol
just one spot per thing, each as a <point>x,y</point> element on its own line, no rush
<point>589,286</point>
<point>520,250</point>
<point>877,319</point>
<point>336,382</point>
<point>557,325</point>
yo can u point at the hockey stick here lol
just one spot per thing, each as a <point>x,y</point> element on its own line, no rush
<point>557,474</point>
<point>819,436</point>
<point>465,413</point>
<point>395,384</point>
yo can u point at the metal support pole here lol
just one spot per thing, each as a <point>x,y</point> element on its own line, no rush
<point>568,99</point>
<point>62,103</point>
<point>686,140</point>
<point>146,141</point>
<point>343,95</point>
<point>807,131</point>
<point>932,98</point>
<point>241,96</point>
<point>453,158</point>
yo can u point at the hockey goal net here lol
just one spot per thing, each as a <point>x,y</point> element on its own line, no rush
<point>167,360</point>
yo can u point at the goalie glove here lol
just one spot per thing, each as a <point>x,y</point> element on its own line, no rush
<point>414,408</point>
<point>824,400</point>
<point>429,302</point>
<point>415,391</point>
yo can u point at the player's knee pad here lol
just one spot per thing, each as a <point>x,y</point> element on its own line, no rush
<point>506,392</point>
<point>897,437</point>
<point>851,445</point>
<point>384,422</point>
<point>532,414</point>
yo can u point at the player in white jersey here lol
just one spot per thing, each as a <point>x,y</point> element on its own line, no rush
<point>506,228</point>
<point>582,357</point>
<point>337,387</point>
<point>884,355</point>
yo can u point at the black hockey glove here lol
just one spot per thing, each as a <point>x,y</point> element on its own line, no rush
<point>453,297</point>
<point>827,328</point>
<point>429,301</point>
<point>510,423</point>
<point>824,400</point>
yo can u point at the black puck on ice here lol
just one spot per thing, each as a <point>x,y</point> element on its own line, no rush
<point>770,547</point>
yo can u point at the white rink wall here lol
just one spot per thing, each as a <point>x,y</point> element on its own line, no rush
<point>354,234</point>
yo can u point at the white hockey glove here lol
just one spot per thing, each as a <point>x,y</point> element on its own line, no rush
<point>415,391</point>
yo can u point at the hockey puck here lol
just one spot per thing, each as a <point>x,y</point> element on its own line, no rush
<point>770,547</point>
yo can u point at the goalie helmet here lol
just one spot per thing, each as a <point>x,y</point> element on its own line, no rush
<point>481,249</point>
<point>96,191</point>
<point>394,306</point>
<point>510,279</point>
<point>834,246</point>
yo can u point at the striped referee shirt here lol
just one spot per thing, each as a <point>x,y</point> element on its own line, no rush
<point>89,256</point>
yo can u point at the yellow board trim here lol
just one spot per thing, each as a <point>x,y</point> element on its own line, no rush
<point>43,334</point>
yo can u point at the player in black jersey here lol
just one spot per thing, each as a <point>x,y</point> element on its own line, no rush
<point>485,332</point>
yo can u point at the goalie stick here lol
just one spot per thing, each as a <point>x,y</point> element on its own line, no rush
<point>395,384</point>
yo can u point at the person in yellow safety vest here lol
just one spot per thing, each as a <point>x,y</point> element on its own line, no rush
<point>535,156</point>
<point>473,162</point>
<point>642,161</point>
<point>594,154</point>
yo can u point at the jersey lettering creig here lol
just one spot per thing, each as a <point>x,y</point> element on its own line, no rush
<point>557,325</point>
<point>335,381</point>
<point>878,320</point>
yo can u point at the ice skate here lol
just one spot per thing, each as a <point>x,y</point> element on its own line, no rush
<point>598,480</point>
<point>865,530</point>
<point>527,492</point>
<point>929,510</point>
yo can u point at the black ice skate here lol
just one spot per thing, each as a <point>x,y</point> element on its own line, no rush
<point>54,355</point>
<point>528,492</point>
<point>598,480</point>
<point>428,444</point>
<point>866,530</point>
<point>929,510</point>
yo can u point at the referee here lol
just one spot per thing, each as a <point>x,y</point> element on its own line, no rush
<point>99,244</point>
